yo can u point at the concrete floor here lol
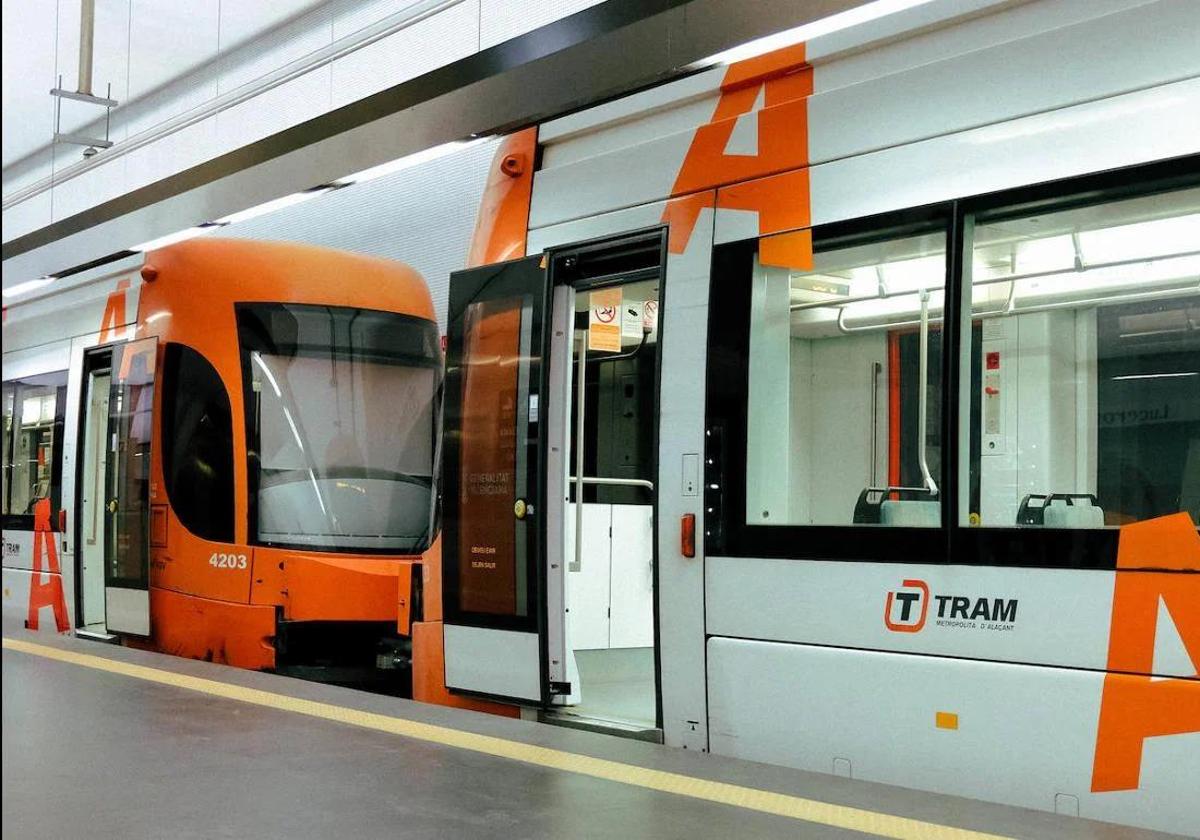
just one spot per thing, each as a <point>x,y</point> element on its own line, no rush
<point>88,753</point>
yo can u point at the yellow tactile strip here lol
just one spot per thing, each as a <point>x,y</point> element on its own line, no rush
<point>767,802</point>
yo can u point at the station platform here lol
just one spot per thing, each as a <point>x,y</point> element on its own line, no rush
<point>102,741</point>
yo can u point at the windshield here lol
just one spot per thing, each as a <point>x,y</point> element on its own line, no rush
<point>341,426</point>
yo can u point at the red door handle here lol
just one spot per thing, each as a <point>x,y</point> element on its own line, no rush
<point>687,535</point>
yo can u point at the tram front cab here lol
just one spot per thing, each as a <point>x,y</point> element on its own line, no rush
<point>290,499</point>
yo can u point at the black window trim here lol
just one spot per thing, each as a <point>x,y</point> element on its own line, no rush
<point>24,521</point>
<point>726,532</point>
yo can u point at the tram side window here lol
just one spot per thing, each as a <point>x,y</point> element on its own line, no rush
<point>844,408</point>
<point>197,427</point>
<point>33,424</point>
<point>1086,384</point>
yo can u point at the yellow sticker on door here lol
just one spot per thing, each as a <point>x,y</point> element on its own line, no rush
<point>604,321</point>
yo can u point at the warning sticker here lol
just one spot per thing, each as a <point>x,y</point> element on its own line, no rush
<point>650,316</point>
<point>631,319</point>
<point>604,326</point>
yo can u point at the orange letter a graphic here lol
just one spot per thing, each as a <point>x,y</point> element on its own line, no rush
<point>1134,705</point>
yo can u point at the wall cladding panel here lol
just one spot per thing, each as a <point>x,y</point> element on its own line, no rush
<point>274,110</point>
<point>174,153</point>
<point>288,42</point>
<point>349,16</point>
<point>28,32</point>
<point>436,41</point>
<point>501,20</point>
<point>423,216</point>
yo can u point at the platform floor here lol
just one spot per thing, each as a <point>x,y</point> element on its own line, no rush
<point>107,742</point>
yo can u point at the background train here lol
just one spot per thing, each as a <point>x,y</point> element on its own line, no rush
<point>867,372</point>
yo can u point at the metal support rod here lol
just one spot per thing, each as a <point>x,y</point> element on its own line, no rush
<point>923,398</point>
<point>87,37</point>
<point>614,482</point>
<point>876,369</point>
<point>580,404</point>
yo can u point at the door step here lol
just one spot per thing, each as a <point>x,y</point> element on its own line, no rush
<point>622,729</point>
<point>102,636</point>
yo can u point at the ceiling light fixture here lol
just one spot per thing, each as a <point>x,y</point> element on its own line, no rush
<point>392,166</point>
<point>178,236</point>
<point>28,286</point>
<point>272,205</point>
<point>824,26</point>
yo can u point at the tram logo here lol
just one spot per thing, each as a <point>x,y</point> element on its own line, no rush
<point>906,608</point>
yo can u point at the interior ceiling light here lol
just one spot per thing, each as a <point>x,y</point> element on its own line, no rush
<point>28,286</point>
<point>271,206</point>
<point>423,156</point>
<point>178,236</point>
<point>824,26</point>
<point>1141,240</point>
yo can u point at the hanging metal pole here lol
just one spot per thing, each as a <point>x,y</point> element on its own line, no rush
<point>87,37</point>
<point>923,398</point>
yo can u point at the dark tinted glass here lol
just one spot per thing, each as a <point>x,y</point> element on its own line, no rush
<point>197,444</point>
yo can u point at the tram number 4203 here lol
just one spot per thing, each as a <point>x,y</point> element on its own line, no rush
<point>219,560</point>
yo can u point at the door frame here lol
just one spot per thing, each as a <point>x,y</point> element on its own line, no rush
<point>95,360</point>
<point>559,274</point>
<point>559,263</point>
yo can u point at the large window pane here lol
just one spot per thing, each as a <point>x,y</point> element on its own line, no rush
<point>1085,384</point>
<point>342,426</point>
<point>844,409</point>
<point>32,428</point>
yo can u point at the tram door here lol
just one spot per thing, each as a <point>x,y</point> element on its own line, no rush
<point>127,482</point>
<point>494,580</point>
<point>92,492</point>
<point>549,432</point>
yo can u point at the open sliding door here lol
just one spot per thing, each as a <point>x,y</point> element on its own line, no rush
<point>494,503</point>
<point>127,476</point>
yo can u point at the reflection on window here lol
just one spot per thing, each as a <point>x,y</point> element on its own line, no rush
<point>343,425</point>
<point>844,413</point>
<point>32,424</point>
<point>1085,391</point>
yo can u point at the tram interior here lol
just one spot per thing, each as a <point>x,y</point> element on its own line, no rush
<point>610,579</point>
<point>1081,375</point>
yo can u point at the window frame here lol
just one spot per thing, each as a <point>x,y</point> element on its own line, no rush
<point>727,409</point>
<point>726,532</point>
<point>59,379</point>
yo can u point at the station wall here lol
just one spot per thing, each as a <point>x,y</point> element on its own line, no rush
<point>221,75</point>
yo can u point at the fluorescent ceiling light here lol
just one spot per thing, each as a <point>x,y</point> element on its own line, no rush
<point>172,238</point>
<point>1155,376</point>
<point>824,26</point>
<point>271,206</point>
<point>1141,240</point>
<point>915,274</point>
<point>27,286</point>
<point>423,156</point>
<point>1050,253</point>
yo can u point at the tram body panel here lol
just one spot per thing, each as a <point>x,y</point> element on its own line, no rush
<point>935,133</point>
